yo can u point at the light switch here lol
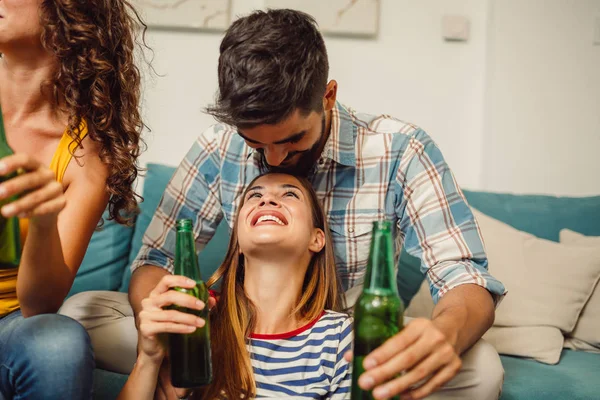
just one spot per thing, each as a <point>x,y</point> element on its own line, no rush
<point>597,31</point>
<point>455,28</point>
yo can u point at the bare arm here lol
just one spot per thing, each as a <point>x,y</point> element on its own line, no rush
<point>62,219</point>
<point>152,320</point>
<point>143,281</point>
<point>141,383</point>
<point>463,315</point>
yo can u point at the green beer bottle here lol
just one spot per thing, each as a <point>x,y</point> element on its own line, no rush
<point>378,312</point>
<point>10,237</point>
<point>189,354</point>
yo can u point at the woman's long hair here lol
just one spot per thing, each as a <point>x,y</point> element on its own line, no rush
<point>234,317</point>
<point>97,80</point>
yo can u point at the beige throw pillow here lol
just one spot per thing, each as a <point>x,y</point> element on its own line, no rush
<point>548,285</point>
<point>586,335</point>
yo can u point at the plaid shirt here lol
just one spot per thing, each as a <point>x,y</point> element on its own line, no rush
<point>372,167</point>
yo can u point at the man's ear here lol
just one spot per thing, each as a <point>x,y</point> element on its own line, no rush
<point>317,241</point>
<point>330,95</point>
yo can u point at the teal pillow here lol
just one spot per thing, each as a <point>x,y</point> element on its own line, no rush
<point>106,258</point>
<point>540,215</point>
<point>155,182</point>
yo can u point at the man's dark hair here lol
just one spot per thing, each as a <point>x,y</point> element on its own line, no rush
<point>271,63</point>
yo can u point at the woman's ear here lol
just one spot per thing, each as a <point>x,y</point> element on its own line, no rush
<point>317,241</point>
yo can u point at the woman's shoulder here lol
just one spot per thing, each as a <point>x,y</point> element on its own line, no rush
<point>334,321</point>
<point>330,315</point>
<point>335,328</point>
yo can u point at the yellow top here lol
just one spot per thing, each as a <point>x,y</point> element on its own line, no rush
<point>8,277</point>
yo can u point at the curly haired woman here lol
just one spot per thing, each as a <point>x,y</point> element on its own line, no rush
<point>69,92</point>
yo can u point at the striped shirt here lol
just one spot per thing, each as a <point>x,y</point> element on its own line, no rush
<point>372,168</point>
<point>307,363</point>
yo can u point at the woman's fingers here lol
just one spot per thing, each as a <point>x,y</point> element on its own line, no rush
<point>15,162</point>
<point>175,316</point>
<point>212,302</point>
<point>49,198</point>
<point>151,329</point>
<point>171,281</point>
<point>173,297</point>
<point>26,182</point>
<point>50,207</point>
<point>159,321</point>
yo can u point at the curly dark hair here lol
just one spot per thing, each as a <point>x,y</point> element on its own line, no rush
<point>98,80</point>
<point>271,63</point>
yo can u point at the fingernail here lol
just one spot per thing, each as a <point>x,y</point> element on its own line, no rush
<point>8,210</point>
<point>2,167</point>
<point>199,303</point>
<point>199,322</point>
<point>383,393</point>
<point>191,328</point>
<point>366,382</point>
<point>2,191</point>
<point>191,282</point>
<point>369,363</point>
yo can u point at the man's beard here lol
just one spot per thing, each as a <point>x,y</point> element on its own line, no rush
<point>306,161</point>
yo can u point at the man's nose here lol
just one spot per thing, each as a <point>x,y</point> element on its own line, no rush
<point>275,155</point>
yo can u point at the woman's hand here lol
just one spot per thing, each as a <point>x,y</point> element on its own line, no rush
<point>153,320</point>
<point>39,192</point>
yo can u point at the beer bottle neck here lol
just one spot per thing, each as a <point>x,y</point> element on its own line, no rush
<point>380,277</point>
<point>186,259</point>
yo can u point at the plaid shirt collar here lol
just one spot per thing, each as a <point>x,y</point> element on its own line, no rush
<point>340,146</point>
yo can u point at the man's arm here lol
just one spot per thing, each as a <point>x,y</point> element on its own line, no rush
<point>463,315</point>
<point>439,228</point>
<point>143,281</point>
<point>192,193</point>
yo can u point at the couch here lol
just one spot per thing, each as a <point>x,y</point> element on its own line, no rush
<point>113,248</point>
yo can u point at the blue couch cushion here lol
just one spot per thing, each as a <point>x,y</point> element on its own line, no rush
<point>542,216</point>
<point>106,258</point>
<point>155,183</point>
<point>575,377</point>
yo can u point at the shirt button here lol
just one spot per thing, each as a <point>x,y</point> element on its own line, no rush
<point>351,230</point>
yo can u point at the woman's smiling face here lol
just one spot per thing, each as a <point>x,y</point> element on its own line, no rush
<point>276,211</point>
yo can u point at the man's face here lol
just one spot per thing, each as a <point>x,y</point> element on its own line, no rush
<point>291,146</point>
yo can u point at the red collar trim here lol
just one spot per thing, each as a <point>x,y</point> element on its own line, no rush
<point>287,335</point>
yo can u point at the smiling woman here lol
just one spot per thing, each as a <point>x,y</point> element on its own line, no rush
<point>276,322</point>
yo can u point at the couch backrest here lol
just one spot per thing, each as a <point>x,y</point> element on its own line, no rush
<point>540,215</point>
<point>112,250</point>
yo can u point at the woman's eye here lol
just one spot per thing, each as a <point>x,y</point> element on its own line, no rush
<point>255,194</point>
<point>290,193</point>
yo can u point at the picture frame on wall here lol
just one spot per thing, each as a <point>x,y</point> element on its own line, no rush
<point>185,14</point>
<point>338,17</point>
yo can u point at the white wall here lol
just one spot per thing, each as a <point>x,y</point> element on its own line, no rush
<point>543,101</point>
<point>184,82</point>
<point>408,71</point>
<point>461,93</point>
